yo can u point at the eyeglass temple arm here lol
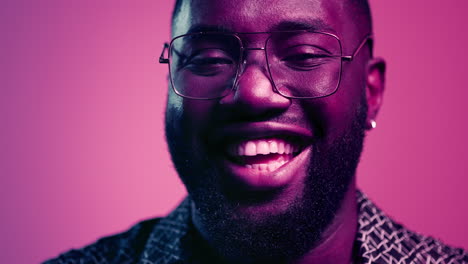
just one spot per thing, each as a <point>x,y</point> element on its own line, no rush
<point>161,58</point>
<point>363,43</point>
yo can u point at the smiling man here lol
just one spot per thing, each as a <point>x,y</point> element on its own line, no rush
<point>268,106</point>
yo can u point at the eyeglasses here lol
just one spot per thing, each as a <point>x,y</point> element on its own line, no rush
<point>301,64</point>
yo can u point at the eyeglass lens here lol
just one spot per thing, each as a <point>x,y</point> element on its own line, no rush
<point>301,64</point>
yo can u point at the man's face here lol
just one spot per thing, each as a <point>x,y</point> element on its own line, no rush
<point>267,173</point>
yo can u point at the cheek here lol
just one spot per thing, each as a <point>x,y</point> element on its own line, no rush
<point>335,114</point>
<point>198,112</point>
<point>193,115</point>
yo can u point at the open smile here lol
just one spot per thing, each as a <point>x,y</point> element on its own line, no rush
<point>265,155</point>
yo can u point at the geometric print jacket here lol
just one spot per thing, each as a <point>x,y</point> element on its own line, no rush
<point>168,241</point>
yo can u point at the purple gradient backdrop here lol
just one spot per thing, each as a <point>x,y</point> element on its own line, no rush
<point>82,151</point>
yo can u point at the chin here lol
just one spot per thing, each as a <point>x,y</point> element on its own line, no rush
<point>265,221</point>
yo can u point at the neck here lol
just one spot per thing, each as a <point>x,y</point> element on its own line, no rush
<point>337,241</point>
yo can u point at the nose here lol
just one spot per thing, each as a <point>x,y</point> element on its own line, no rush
<point>254,93</point>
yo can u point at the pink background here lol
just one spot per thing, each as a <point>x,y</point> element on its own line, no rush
<point>82,152</point>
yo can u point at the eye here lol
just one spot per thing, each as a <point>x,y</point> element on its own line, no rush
<point>209,62</point>
<point>305,57</point>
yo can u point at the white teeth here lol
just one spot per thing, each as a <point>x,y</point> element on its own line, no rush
<point>250,149</point>
<point>262,147</point>
<point>280,147</point>
<point>270,167</point>
<point>273,146</point>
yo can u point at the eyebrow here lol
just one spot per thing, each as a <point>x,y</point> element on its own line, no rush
<point>313,25</point>
<point>209,28</point>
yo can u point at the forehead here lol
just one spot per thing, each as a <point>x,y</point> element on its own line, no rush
<point>260,15</point>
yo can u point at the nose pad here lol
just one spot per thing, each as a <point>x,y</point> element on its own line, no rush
<point>253,80</point>
<point>244,62</point>
<point>239,73</point>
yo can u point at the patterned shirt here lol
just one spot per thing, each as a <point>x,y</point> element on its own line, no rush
<point>169,241</point>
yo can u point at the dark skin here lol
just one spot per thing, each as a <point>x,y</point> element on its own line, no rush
<point>253,108</point>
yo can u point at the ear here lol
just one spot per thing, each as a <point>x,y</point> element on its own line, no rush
<point>375,84</point>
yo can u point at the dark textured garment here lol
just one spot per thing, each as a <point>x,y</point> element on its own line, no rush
<point>168,241</point>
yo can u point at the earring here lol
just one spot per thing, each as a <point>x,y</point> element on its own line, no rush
<point>373,124</point>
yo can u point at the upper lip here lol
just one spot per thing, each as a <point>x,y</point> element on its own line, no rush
<point>257,130</point>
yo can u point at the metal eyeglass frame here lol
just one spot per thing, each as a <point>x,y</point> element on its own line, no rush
<point>349,58</point>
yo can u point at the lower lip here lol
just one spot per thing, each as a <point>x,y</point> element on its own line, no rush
<point>255,179</point>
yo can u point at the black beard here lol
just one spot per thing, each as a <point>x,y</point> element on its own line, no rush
<point>279,238</point>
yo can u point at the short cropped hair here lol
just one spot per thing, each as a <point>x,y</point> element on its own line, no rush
<point>362,10</point>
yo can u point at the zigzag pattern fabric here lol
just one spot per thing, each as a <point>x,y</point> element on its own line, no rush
<point>381,240</point>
